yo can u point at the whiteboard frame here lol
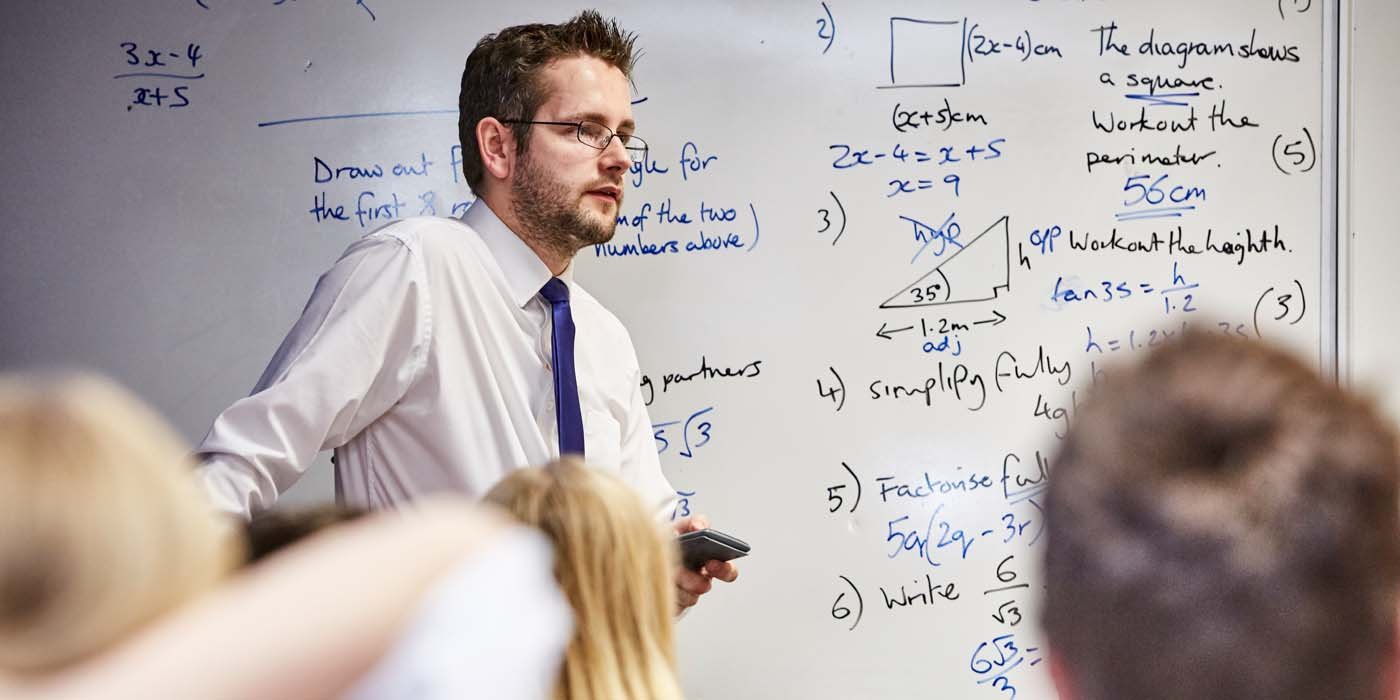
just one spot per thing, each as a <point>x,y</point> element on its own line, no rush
<point>1335,258</point>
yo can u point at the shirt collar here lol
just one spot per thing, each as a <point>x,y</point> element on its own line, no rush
<point>525,273</point>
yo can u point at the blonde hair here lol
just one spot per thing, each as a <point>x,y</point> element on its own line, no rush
<point>616,566</point>
<point>101,526</point>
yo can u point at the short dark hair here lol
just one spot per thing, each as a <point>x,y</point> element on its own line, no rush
<point>1222,523</point>
<point>271,532</point>
<point>501,78</point>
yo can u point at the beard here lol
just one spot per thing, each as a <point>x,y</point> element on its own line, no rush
<point>551,215</point>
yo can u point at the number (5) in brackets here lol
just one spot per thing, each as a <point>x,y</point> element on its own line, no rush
<point>1290,158</point>
<point>1299,6</point>
<point>832,495</point>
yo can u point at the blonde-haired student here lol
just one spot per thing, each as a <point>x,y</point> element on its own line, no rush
<point>102,526</point>
<point>615,564</point>
<point>117,581</point>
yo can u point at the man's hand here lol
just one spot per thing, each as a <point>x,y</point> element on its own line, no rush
<point>690,585</point>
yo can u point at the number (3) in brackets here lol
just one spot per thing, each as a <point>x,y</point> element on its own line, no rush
<point>827,223</point>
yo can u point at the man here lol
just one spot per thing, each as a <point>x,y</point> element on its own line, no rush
<point>439,354</point>
<point>1222,524</point>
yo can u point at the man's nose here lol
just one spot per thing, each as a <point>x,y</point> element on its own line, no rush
<point>615,156</point>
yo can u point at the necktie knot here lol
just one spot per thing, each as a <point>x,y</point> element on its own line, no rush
<point>555,291</point>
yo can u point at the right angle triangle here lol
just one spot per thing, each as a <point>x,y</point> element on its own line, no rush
<point>978,271</point>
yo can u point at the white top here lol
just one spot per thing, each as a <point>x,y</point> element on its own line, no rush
<point>496,628</point>
<point>423,359</point>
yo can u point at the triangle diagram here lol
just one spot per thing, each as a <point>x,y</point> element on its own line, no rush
<point>978,271</point>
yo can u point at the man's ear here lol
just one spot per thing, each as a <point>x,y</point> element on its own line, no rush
<point>1060,676</point>
<point>1390,667</point>
<point>496,142</point>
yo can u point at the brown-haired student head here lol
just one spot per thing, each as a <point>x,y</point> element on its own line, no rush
<point>1221,524</point>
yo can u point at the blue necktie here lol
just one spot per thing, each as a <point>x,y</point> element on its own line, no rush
<point>566,407</point>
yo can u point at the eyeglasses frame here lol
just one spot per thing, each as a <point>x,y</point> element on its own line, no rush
<point>578,133</point>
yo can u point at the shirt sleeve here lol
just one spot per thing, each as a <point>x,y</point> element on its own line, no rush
<point>360,342</point>
<point>641,465</point>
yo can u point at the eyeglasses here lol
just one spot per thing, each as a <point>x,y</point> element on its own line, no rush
<point>595,135</point>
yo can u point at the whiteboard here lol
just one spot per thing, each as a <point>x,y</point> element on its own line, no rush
<point>877,256</point>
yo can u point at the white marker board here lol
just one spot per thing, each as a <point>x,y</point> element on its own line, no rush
<point>876,254</point>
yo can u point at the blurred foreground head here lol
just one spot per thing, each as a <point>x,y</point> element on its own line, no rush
<point>1222,523</point>
<point>102,528</point>
<point>616,564</point>
<point>274,531</point>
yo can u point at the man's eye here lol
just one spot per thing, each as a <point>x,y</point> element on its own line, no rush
<point>592,132</point>
<point>625,138</point>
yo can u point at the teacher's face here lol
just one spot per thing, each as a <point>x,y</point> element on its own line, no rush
<point>564,189</point>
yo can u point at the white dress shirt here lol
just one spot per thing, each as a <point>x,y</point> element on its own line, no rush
<point>495,628</point>
<point>423,358</point>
